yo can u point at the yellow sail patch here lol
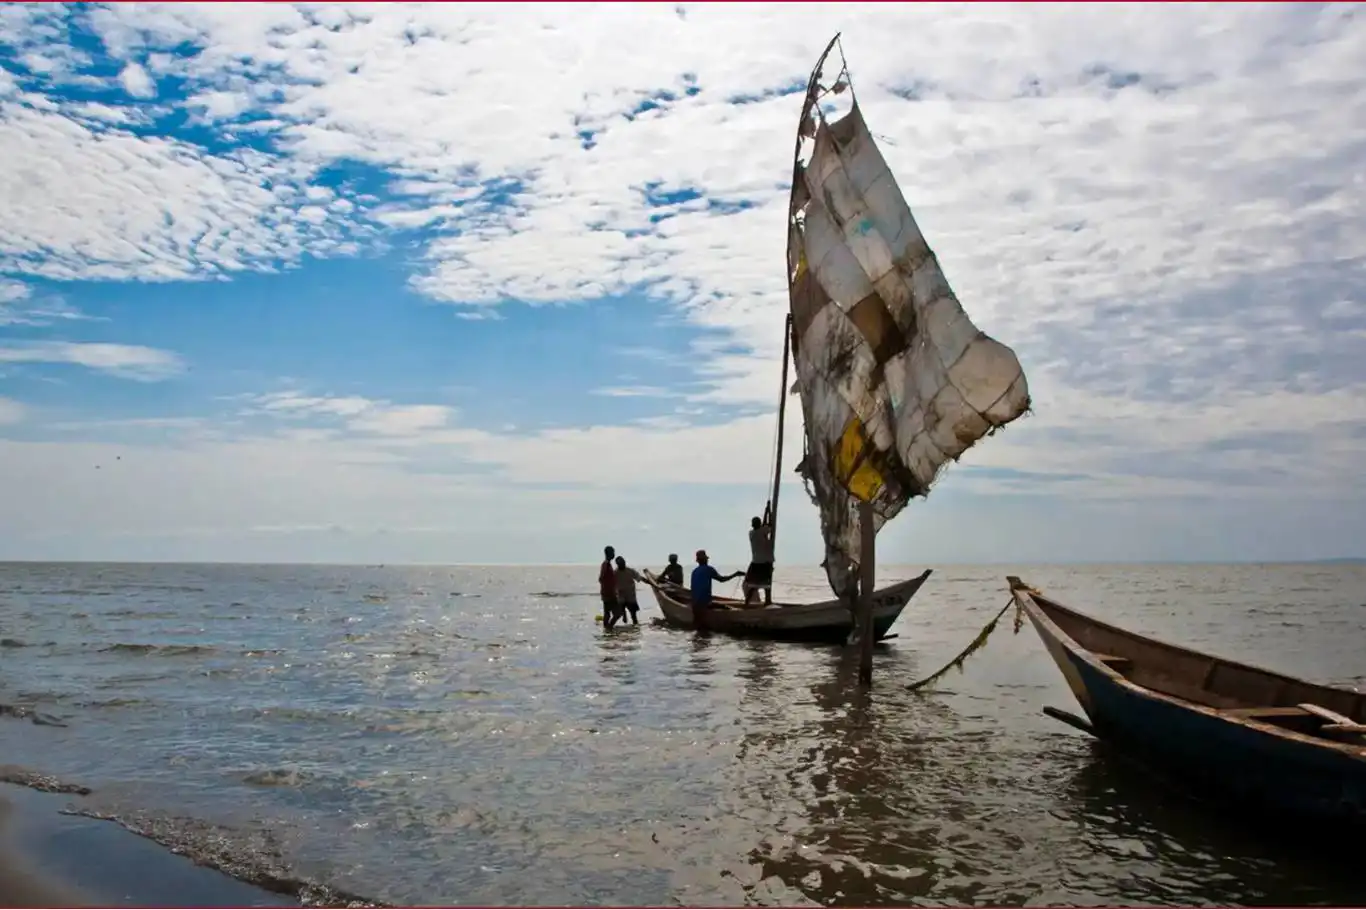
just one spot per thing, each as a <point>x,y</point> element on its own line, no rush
<point>852,465</point>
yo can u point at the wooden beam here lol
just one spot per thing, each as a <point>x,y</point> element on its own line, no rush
<point>1257,713</point>
<point>867,571</point>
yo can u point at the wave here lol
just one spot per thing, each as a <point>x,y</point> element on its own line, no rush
<point>162,650</point>
<point>23,712</point>
<point>120,702</point>
<point>557,595</point>
<point>174,589</point>
<point>277,777</point>
<point>12,643</point>
<point>118,682</point>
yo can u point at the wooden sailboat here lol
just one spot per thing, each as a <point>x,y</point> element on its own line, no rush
<point>895,380</point>
<point>827,622</point>
<point>1258,739</point>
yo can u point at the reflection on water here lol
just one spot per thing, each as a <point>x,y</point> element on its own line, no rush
<point>471,735</point>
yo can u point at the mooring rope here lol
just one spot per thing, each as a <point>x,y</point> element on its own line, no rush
<point>974,646</point>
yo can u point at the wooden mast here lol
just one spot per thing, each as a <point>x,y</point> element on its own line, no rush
<point>782,411</point>
<point>867,573</point>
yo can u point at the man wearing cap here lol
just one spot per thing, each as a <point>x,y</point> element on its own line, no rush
<point>702,577</point>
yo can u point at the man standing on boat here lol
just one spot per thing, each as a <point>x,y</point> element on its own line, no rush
<point>626,591</point>
<point>673,572</point>
<point>760,572</point>
<point>607,586</point>
<point>702,577</point>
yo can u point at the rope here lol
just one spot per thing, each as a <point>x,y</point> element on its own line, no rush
<point>973,646</point>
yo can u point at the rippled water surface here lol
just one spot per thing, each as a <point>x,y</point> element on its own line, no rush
<point>471,735</point>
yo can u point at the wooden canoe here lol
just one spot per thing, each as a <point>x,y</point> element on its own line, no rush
<point>827,621</point>
<point>1239,733</point>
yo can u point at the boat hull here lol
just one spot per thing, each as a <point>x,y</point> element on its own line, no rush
<point>1214,728</point>
<point>825,622</point>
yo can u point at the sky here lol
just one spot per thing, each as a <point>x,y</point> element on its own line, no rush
<point>462,283</point>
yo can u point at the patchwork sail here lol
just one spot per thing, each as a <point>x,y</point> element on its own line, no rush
<point>895,380</point>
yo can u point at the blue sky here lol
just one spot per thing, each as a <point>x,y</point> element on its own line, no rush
<point>456,284</point>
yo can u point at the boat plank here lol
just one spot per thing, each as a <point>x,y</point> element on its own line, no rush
<point>1267,712</point>
<point>1332,717</point>
<point>1354,729</point>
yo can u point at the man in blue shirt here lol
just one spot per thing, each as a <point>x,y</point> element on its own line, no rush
<point>702,577</point>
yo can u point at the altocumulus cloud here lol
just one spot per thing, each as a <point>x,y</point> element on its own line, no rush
<point>1158,207</point>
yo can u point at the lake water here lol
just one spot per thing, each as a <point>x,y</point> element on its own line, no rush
<point>471,735</point>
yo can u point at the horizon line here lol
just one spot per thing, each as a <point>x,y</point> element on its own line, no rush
<point>488,565</point>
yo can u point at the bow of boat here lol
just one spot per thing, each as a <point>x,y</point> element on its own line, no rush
<point>1245,732</point>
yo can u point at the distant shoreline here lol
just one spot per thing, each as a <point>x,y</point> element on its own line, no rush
<point>1339,560</point>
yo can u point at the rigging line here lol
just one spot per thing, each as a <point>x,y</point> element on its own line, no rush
<point>973,647</point>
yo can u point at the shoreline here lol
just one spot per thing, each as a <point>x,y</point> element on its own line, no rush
<point>58,849</point>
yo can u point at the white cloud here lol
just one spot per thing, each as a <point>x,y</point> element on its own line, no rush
<point>280,497</point>
<point>1236,448</point>
<point>19,307</point>
<point>11,411</point>
<point>1156,206</point>
<point>137,81</point>
<point>1169,153</point>
<point>636,391</point>
<point>12,291</point>
<point>123,360</point>
<point>361,415</point>
<point>87,198</point>
<point>403,421</point>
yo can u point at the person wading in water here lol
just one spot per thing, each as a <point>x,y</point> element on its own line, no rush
<point>626,591</point>
<point>607,586</point>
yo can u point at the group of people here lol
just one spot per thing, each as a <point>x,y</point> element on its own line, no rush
<point>617,581</point>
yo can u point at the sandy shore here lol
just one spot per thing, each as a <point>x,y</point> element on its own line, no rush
<point>52,860</point>
<point>20,886</point>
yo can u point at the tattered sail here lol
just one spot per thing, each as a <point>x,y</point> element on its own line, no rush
<point>895,380</point>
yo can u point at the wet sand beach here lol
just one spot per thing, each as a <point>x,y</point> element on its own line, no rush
<point>19,885</point>
<point>48,859</point>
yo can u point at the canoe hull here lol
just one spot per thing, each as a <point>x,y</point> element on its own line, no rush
<point>825,622</point>
<point>1209,747</point>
